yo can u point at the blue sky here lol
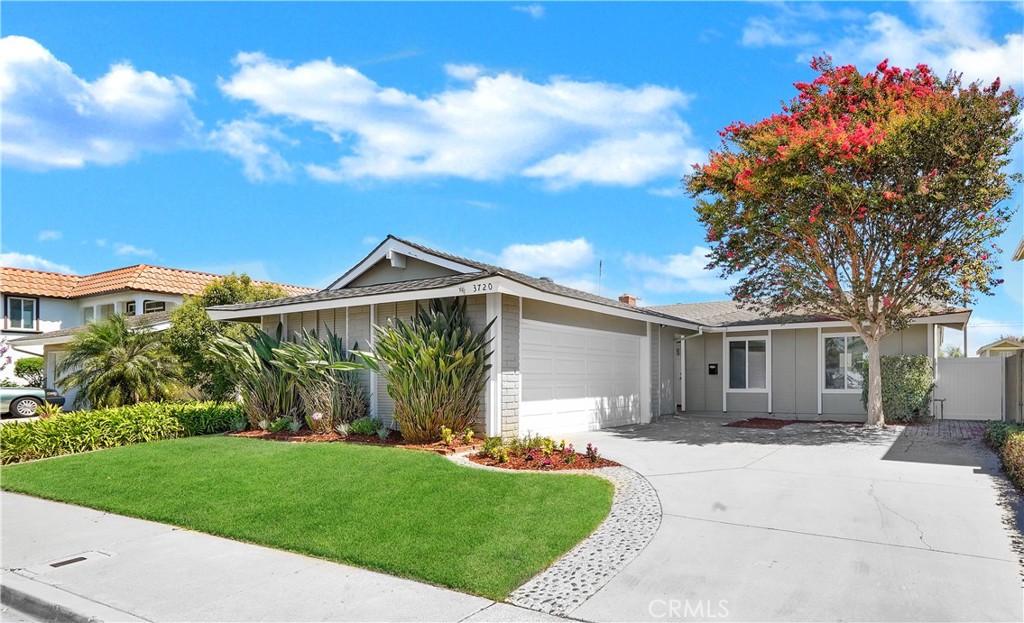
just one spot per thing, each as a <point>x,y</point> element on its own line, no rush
<point>285,140</point>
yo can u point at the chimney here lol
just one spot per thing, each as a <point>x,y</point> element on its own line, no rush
<point>628,299</point>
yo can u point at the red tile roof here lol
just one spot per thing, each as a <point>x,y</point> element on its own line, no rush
<point>139,277</point>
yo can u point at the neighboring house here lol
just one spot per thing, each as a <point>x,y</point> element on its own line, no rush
<point>566,360</point>
<point>43,309</point>
<point>1003,347</point>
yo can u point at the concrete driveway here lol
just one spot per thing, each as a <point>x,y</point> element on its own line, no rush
<point>816,522</point>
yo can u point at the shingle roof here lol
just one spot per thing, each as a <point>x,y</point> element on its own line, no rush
<point>483,270</point>
<point>142,277</point>
<point>133,322</point>
<point>730,314</point>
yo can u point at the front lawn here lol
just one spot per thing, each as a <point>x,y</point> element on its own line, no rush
<point>403,512</point>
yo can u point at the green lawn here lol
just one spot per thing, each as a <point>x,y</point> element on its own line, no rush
<point>403,512</point>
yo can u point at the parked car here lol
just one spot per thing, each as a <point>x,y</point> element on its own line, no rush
<point>23,401</point>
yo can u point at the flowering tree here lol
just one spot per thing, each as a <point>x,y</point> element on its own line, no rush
<point>867,198</point>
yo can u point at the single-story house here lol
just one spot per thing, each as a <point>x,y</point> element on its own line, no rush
<point>1003,347</point>
<point>567,360</point>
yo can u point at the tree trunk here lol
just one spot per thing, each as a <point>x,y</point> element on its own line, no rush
<point>876,417</point>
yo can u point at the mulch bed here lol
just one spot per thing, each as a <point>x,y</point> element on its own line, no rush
<point>773,424</point>
<point>518,461</point>
<point>394,440</point>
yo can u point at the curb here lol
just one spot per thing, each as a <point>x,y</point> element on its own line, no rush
<point>49,603</point>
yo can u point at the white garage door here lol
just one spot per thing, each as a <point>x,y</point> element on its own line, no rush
<point>577,379</point>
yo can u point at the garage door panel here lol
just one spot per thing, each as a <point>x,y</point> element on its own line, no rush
<point>577,379</point>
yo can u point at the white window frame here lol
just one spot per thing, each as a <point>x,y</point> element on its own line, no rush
<point>767,364</point>
<point>129,308</point>
<point>9,300</point>
<point>821,358</point>
<point>146,304</point>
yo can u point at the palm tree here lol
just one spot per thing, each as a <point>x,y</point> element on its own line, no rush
<point>113,365</point>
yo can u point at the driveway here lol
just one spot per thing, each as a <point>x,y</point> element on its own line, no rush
<point>816,522</point>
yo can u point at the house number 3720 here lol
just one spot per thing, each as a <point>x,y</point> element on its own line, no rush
<point>483,287</point>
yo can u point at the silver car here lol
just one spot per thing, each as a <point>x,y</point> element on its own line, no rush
<point>23,401</point>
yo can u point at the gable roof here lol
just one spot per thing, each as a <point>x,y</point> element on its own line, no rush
<point>144,277</point>
<point>1018,255</point>
<point>1009,342</point>
<point>471,270</point>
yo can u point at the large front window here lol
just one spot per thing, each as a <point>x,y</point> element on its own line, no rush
<point>748,364</point>
<point>21,313</point>
<point>844,357</point>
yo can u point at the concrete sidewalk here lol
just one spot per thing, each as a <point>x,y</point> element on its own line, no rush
<point>132,570</point>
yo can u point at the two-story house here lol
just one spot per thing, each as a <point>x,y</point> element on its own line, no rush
<point>35,303</point>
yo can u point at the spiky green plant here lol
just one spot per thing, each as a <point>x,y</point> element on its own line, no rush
<point>114,365</point>
<point>326,375</point>
<point>436,368</point>
<point>266,390</point>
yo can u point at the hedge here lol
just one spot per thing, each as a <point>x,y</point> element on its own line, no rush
<point>907,383</point>
<point>83,431</point>
<point>1008,442</point>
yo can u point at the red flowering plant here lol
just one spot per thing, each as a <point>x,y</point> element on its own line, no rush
<point>867,198</point>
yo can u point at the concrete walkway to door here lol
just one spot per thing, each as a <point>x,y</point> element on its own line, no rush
<point>815,522</point>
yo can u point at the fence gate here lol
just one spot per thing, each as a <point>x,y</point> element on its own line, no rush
<point>1015,388</point>
<point>971,386</point>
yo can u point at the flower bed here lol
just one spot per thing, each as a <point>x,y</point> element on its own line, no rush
<point>536,453</point>
<point>394,440</point>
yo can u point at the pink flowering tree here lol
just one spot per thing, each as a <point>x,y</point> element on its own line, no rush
<point>867,198</point>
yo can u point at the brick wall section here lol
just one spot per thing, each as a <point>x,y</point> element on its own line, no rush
<point>655,388</point>
<point>510,377</point>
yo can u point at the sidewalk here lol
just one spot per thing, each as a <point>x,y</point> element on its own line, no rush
<point>132,570</point>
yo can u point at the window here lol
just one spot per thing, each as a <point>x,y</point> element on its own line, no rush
<point>106,311</point>
<point>843,358</point>
<point>21,313</point>
<point>89,314</point>
<point>748,364</point>
<point>129,308</point>
<point>153,306</point>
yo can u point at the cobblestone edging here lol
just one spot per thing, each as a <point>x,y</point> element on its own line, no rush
<point>634,519</point>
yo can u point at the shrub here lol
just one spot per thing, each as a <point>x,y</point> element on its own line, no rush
<point>48,410</point>
<point>365,426</point>
<point>267,391</point>
<point>1012,455</point>
<point>436,369</point>
<point>907,383</point>
<point>117,426</point>
<point>32,370</point>
<point>997,432</point>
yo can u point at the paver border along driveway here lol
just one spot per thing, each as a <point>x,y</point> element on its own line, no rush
<point>815,522</point>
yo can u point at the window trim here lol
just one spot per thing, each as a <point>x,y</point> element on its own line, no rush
<point>146,304</point>
<point>767,364</point>
<point>129,308</point>
<point>821,372</point>
<point>7,313</point>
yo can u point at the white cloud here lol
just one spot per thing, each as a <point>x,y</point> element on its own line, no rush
<point>11,259</point>
<point>669,192</point>
<point>48,234</point>
<point>536,11</point>
<point>557,257</point>
<point>947,36</point>
<point>121,248</point>
<point>561,132</point>
<point>249,141</point>
<point>54,119</point>
<point>944,35</point>
<point>678,273</point>
<point>467,72</point>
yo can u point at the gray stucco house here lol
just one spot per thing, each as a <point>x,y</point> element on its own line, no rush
<point>567,360</point>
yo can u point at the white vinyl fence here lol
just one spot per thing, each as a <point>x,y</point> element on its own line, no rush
<point>971,388</point>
